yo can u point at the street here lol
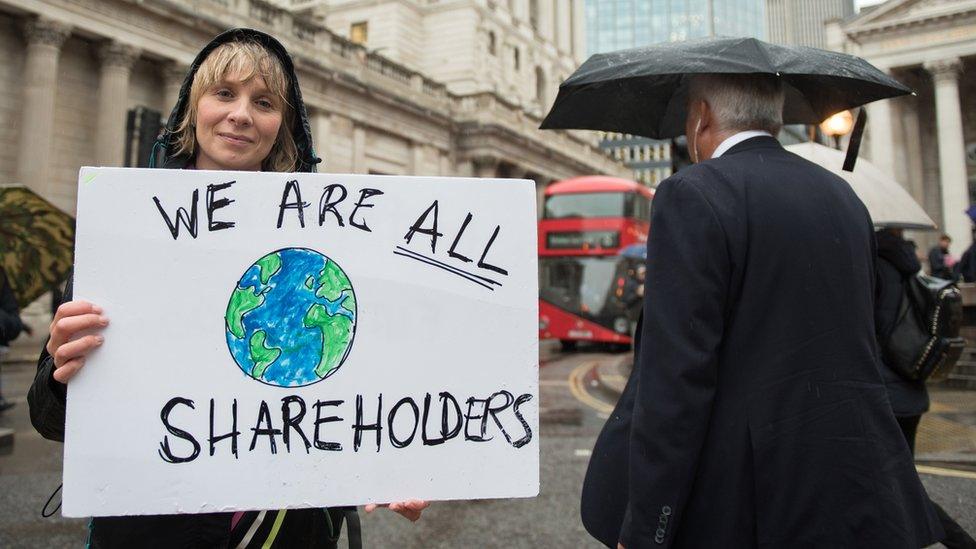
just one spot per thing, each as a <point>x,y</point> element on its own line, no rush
<point>577,391</point>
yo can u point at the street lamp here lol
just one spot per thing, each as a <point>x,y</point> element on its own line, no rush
<point>838,125</point>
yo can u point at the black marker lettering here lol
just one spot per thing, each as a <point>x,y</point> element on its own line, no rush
<point>493,411</point>
<point>264,415</point>
<point>445,432</point>
<point>296,205</point>
<point>468,417</point>
<point>165,451</point>
<point>359,426</point>
<point>214,205</point>
<point>188,220</point>
<point>319,420</point>
<point>418,227</point>
<point>232,435</point>
<point>522,399</point>
<point>293,421</point>
<point>363,195</point>
<point>457,239</point>
<point>327,204</point>
<point>482,263</point>
<point>396,442</point>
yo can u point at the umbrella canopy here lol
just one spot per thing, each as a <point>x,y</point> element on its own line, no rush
<point>643,91</point>
<point>887,201</point>
<point>36,243</point>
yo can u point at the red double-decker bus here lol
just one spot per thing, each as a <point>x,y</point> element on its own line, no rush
<point>587,291</point>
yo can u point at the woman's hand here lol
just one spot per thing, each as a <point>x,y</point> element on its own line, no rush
<point>410,509</point>
<point>68,350</point>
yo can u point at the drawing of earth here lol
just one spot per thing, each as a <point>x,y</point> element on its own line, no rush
<point>291,319</point>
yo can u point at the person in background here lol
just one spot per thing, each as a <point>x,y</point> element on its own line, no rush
<point>940,260</point>
<point>897,264</point>
<point>240,109</point>
<point>11,326</point>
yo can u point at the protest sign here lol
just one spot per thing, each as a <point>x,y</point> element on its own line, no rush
<point>302,340</point>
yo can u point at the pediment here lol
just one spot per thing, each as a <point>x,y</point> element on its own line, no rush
<point>896,12</point>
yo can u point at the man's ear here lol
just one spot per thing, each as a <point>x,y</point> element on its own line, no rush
<point>706,115</point>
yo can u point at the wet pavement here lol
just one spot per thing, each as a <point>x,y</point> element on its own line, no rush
<point>577,392</point>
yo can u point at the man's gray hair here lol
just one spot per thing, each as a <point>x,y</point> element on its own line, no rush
<point>741,102</point>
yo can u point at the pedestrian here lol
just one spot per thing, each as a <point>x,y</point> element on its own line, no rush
<point>941,262</point>
<point>897,264</point>
<point>240,108</point>
<point>11,326</point>
<point>755,415</point>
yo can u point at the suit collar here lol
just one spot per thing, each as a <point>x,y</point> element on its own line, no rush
<point>753,143</point>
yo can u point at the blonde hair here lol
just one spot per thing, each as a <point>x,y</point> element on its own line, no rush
<point>247,59</point>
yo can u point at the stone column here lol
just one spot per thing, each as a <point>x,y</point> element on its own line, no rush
<point>486,166</point>
<point>321,130</point>
<point>417,159</point>
<point>579,30</point>
<point>173,75</point>
<point>444,161</point>
<point>546,19</point>
<point>359,150</point>
<point>879,132</point>
<point>952,152</point>
<point>914,180</point>
<point>113,100</point>
<point>564,26</point>
<point>44,41</point>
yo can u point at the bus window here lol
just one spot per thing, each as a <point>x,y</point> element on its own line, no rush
<point>577,205</point>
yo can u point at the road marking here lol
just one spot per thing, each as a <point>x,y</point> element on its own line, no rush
<point>944,472</point>
<point>559,382</point>
<point>583,452</point>
<point>578,388</point>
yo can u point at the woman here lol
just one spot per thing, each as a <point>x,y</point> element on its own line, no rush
<point>240,108</point>
<point>909,399</point>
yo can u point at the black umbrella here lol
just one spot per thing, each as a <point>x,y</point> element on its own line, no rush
<point>643,91</point>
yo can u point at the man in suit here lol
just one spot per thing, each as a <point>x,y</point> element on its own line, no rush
<point>756,414</point>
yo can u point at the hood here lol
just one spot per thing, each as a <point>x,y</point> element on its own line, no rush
<point>301,130</point>
<point>899,252</point>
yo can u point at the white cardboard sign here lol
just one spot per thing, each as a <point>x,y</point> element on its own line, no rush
<point>302,340</point>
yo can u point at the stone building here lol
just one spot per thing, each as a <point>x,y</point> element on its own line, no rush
<point>74,70</point>
<point>521,49</point>
<point>927,141</point>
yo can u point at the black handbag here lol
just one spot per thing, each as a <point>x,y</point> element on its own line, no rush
<point>924,342</point>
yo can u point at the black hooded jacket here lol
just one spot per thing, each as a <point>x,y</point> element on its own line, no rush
<point>897,263</point>
<point>298,528</point>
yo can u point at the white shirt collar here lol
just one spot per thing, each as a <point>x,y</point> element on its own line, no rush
<point>735,140</point>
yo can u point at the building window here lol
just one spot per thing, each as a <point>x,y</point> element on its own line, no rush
<point>492,43</point>
<point>142,126</point>
<point>516,58</point>
<point>534,14</point>
<point>359,32</point>
<point>540,86</point>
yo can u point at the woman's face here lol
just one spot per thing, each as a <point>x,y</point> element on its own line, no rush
<point>237,124</point>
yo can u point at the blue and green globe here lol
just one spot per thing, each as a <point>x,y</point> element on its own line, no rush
<point>291,318</point>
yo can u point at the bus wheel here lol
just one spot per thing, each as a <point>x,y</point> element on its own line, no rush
<point>567,345</point>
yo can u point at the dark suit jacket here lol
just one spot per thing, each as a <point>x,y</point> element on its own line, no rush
<point>756,414</point>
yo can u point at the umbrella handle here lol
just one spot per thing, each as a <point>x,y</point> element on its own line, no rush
<point>854,145</point>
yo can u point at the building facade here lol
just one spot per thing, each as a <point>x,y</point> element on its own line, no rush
<point>926,141</point>
<point>802,22</point>
<point>622,24</point>
<point>81,74</point>
<point>521,49</point>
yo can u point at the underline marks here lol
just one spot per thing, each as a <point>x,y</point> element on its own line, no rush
<point>471,277</point>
